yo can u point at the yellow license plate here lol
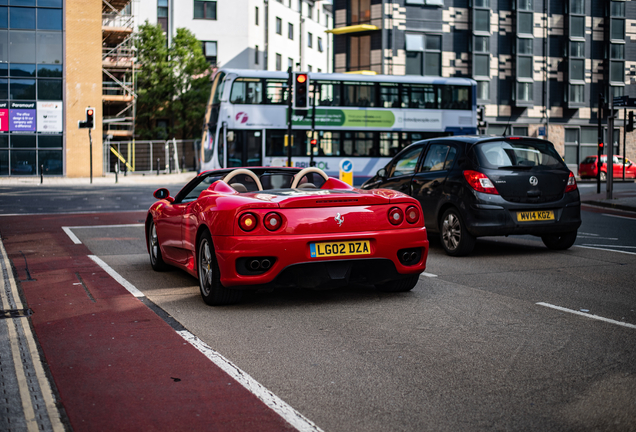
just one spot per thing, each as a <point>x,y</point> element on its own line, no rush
<point>335,248</point>
<point>530,216</point>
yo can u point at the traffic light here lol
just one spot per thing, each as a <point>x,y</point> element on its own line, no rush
<point>630,122</point>
<point>89,123</point>
<point>313,142</point>
<point>601,147</point>
<point>301,90</point>
<point>480,116</point>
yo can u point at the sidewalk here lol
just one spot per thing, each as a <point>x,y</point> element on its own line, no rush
<point>107,179</point>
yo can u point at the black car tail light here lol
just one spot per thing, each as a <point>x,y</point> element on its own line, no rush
<point>412,214</point>
<point>480,182</point>
<point>571,183</point>
<point>248,222</point>
<point>396,216</point>
<point>273,221</point>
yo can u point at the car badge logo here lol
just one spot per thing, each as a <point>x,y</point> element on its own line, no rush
<point>339,219</point>
<point>534,181</point>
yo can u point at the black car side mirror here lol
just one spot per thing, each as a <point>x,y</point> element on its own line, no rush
<point>382,173</point>
<point>162,193</point>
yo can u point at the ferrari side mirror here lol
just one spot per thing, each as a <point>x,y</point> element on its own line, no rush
<point>162,193</point>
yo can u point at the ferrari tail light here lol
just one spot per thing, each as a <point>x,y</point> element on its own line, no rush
<point>412,214</point>
<point>248,222</point>
<point>571,183</point>
<point>396,216</point>
<point>273,221</point>
<point>480,182</point>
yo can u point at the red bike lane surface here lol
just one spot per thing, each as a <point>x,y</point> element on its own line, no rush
<point>117,365</point>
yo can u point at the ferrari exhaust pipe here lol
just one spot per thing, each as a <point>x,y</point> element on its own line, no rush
<point>255,265</point>
<point>413,256</point>
<point>406,256</point>
<point>265,264</point>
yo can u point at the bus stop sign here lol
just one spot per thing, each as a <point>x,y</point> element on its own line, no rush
<point>346,171</point>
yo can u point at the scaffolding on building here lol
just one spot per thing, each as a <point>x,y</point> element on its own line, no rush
<point>118,70</point>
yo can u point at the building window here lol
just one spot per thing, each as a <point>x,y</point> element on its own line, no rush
<point>423,54</point>
<point>576,55</point>
<point>309,68</point>
<point>483,90</point>
<point>360,11</point>
<point>310,11</point>
<point>310,40</point>
<point>481,56</point>
<point>279,26</point>
<point>290,63</point>
<point>617,63</point>
<point>209,51</point>
<point>320,49</point>
<point>205,9</point>
<point>279,61</point>
<point>300,7</point>
<point>524,67</point>
<point>162,14</point>
<point>290,31</point>
<point>359,53</point>
<point>577,93</point>
<point>617,21</point>
<point>525,17</point>
<point>524,92</point>
<point>256,15</point>
<point>256,54</point>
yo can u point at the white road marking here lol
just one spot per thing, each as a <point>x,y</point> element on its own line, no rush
<point>596,237</point>
<point>617,216</point>
<point>279,406</point>
<point>427,274</point>
<point>617,246</point>
<point>587,315</point>
<point>73,237</point>
<point>606,250</point>
<point>123,282</point>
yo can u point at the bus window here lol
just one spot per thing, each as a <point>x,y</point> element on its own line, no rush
<point>423,96</point>
<point>329,93</point>
<point>276,92</point>
<point>247,91</point>
<point>217,88</point>
<point>456,97</point>
<point>390,96</point>
<point>359,94</point>
<point>389,143</point>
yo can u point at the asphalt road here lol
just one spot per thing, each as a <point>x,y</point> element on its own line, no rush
<point>469,349</point>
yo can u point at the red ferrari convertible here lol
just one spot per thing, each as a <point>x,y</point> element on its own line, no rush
<point>241,229</point>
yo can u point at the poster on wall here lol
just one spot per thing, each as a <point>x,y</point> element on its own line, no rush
<point>22,117</point>
<point>4,116</point>
<point>50,116</point>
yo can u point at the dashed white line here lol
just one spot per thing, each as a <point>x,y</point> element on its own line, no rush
<point>123,282</point>
<point>587,315</point>
<point>606,250</point>
<point>431,275</point>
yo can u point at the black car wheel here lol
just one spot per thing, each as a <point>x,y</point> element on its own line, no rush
<point>156,260</point>
<point>560,241</point>
<point>400,285</point>
<point>456,240</point>
<point>212,291</point>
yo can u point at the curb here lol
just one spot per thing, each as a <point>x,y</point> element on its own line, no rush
<point>611,205</point>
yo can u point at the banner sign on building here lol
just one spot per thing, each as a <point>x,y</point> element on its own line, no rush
<point>22,117</point>
<point>4,116</point>
<point>50,116</point>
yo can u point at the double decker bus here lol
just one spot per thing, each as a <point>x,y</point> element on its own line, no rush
<point>364,118</point>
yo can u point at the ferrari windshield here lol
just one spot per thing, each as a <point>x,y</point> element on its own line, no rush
<point>517,154</point>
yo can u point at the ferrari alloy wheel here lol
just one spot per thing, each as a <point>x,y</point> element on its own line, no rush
<point>212,291</point>
<point>400,285</point>
<point>560,241</point>
<point>456,240</point>
<point>156,260</point>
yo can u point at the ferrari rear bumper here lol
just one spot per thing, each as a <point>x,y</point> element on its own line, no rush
<point>293,264</point>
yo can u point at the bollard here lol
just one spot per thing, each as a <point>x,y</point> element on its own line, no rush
<point>158,166</point>
<point>183,163</point>
<point>41,174</point>
<point>117,172</point>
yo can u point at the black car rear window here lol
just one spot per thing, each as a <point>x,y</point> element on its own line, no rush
<point>517,154</point>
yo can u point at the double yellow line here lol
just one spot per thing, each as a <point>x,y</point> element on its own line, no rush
<point>16,327</point>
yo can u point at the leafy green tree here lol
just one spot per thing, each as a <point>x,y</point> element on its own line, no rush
<point>172,84</point>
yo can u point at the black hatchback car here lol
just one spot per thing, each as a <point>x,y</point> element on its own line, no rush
<point>473,186</point>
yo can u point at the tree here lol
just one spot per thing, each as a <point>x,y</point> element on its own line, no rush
<point>172,84</point>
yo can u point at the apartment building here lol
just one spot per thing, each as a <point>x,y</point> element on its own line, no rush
<point>540,64</point>
<point>250,34</point>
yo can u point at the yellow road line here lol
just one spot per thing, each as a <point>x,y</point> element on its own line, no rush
<point>45,387</point>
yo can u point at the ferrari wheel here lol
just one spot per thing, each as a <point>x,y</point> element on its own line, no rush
<point>456,240</point>
<point>212,291</point>
<point>400,285</point>
<point>156,260</point>
<point>560,241</point>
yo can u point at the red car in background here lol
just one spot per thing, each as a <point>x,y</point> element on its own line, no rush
<point>588,167</point>
<point>245,229</point>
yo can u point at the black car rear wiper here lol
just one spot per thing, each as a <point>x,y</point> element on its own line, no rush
<point>516,167</point>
